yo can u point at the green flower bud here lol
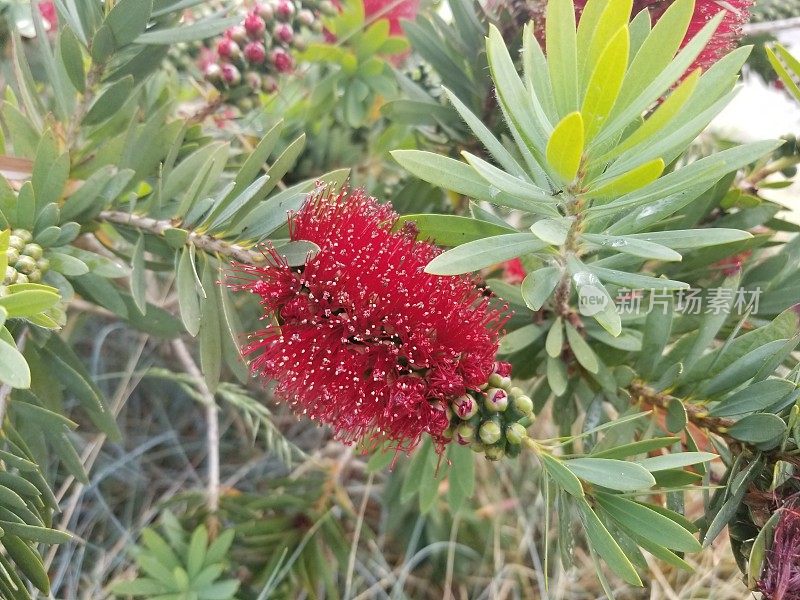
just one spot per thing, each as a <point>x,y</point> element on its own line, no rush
<point>465,433</point>
<point>515,433</point>
<point>516,391</point>
<point>43,264</point>
<point>23,234</point>
<point>524,405</point>
<point>25,264</point>
<point>477,446</point>
<point>21,278</point>
<point>10,276</point>
<point>496,400</point>
<point>16,243</point>
<point>12,254</point>
<point>35,276</point>
<point>495,452</point>
<point>490,432</point>
<point>33,250</point>
<point>448,433</point>
<point>495,380</point>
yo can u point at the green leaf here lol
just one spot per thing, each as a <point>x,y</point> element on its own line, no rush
<point>676,418</point>
<point>210,347</point>
<point>613,474</point>
<point>200,30</point>
<point>14,370</point>
<point>787,79</point>
<point>565,478</point>
<point>297,253</point>
<point>555,339</point>
<point>561,53</point>
<point>742,369</point>
<point>539,285</point>
<point>565,146</point>
<point>758,428</point>
<point>635,281</point>
<point>462,476</point>
<point>67,265</point>
<point>631,245</point>
<point>27,302</point>
<point>557,375</point>
<point>648,523</point>
<point>197,551</point>
<point>111,100</point>
<point>635,448</point>
<point>605,82</point>
<point>675,460</point>
<point>28,561</point>
<point>582,351</point>
<point>755,397</point>
<point>451,230</point>
<point>520,338</point>
<point>127,20</point>
<point>188,299</point>
<point>72,58</point>
<point>553,231</point>
<point>476,255</point>
<point>257,159</point>
<point>603,543</point>
<point>631,181</point>
<point>686,239</point>
<point>138,272</point>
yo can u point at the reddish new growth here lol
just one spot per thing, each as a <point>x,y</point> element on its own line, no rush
<point>362,338</point>
<point>780,579</point>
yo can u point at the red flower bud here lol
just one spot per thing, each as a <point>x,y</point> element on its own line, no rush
<point>265,11</point>
<point>237,33</point>
<point>284,10</point>
<point>255,52</point>
<point>283,32</point>
<point>269,84</point>
<point>231,75</point>
<point>213,72</point>
<point>282,60</point>
<point>465,407</point>
<point>496,399</point>
<point>306,17</point>
<point>253,80</point>
<point>254,26</point>
<point>227,48</point>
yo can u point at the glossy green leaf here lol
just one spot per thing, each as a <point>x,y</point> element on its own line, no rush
<point>742,369</point>
<point>565,146</point>
<point>606,547</point>
<point>210,346</point>
<point>520,339</point>
<point>539,285</point>
<point>72,58</point>
<point>562,60</point>
<point>188,298</point>
<point>758,428</point>
<point>14,370</point>
<point>631,181</point>
<point>648,523</point>
<point>755,397</point>
<point>482,253</point>
<point>553,231</point>
<point>200,30</point>
<point>452,230</point>
<point>128,19</point>
<point>555,339</point>
<point>109,102</point>
<point>581,349</point>
<point>675,460</point>
<point>565,478</point>
<point>631,245</point>
<point>605,82</point>
<point>613,474</point>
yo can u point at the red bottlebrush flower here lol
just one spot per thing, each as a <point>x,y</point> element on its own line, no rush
<point>513,271</point>
<point>48,11</point>
<point>780,579</point>
<point>393,10</point>
<point>362,338</point>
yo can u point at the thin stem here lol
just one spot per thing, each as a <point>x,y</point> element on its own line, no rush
<point>202,241</point>
<point>212,423</point>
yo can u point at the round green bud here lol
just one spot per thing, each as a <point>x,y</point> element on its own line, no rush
<point>515,433</point>
<point>495,452</point>
<point>16,242</point>
<point>12,255</point>
<point>23,234</point>
<point>490,432</point>
<point>448,433</point>
<point>21,278</point>
<point>477,446</point>
<point>524,405</point>
<point>496,400</point>
<point>33,250</point>
<point>10,275</point>
<point>43,264</point>
<point>516,391</point>
<point>496,380</point>
<point>25,264</point>
<point>465,433</point>
<point>35,276</point>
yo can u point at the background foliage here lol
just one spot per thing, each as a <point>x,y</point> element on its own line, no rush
<point>140,460</point>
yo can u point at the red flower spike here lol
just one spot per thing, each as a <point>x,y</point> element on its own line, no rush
<point>363,339</point>
<point>780,579</point>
